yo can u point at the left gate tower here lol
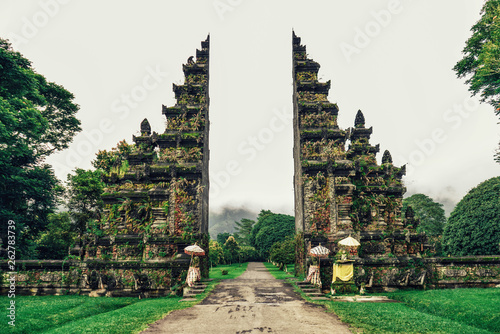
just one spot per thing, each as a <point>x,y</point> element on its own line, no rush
<point>156,197</point>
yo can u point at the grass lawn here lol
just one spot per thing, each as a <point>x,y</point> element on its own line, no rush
<point>279,274</point>
<point>82,314</point>
<point>396,318</point>
<point>479,308</point>
<point>429,311</point>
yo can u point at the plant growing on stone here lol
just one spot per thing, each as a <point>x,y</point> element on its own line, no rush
<point>306,76</point>
<point>312,97</point>
<point>180,154</point>
<point>318,120</point>
<point>184,123</point>
<point>321,150</point>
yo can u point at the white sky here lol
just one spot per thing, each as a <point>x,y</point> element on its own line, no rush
<point>400,75</point>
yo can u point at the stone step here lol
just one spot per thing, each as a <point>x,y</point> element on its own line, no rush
<point>310,290</point>
<point>199,286</point>
<point>302,283</point>
<point>197,292</point>
<point>315,294</point>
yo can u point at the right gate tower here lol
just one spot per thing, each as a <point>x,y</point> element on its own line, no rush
<point>342,191</point>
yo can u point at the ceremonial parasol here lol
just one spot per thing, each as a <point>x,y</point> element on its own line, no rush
<point>194,250</point>
<point>349,241</point>
<point>319,251</point>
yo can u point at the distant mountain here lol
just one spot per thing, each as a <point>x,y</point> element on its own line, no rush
<point>222,221</point>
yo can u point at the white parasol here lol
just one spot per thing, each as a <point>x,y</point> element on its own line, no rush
<point>194,250</point>
<point>350,242</point>
<point>319,251</point>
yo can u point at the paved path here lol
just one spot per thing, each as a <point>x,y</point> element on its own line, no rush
<point>255,302</point>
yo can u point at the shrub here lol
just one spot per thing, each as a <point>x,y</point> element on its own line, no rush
<point>474,225</point>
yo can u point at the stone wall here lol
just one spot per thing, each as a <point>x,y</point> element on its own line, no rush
<point>384,273</point>
<point>97,278</point>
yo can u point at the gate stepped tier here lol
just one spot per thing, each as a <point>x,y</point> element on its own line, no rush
<point>159,204</point>
<point>339,191</point>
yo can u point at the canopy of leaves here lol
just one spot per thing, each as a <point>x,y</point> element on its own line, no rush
<point>474,225</point>
<point>55,241</point>
<point>430,213</point>
<point>481,61</point>
<point>216,253</point>
<point>244,230</point>
<point>37,118</point>
<point>270,228</point>
<point>106,161</point>
<point>231,250</point>
<point>84,197</point>
<point>283,251</point>
<point>222,237</point>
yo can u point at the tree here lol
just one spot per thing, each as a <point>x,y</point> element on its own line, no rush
<point>474,225</point>
<point>216,253</point>
<point>283,252</point>
<point>231,250</point>
<point>60,235</point>
<point>271,228</point>
<point>244,230</point>
<point>248,253</point>
<point>431,214</point>
<point>222,237</point>
<point>481,61</point>
<point>37,118</point>
<point>85,188</point>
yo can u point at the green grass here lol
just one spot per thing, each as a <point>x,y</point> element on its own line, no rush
<point>234,270</point>
<point>82,314</point>
<point>479,308</point>
<point>433,311</point>
<point>279,274</point>
<point>396,318</point>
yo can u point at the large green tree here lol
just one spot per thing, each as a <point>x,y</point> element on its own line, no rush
<point>481,61</point>
<point>431,214</point>
<point>231,250</point>
<point>37,118</point>
<point>270,228</point>
<point>55,241</point>
<point>243,231</point>
<point>85,188</point>
<point>283,252</point>
<point>474,225</point>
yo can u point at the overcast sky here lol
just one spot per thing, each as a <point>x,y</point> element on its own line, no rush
<point>391,59</point>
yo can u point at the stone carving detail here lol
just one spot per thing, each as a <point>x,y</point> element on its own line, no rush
<point>485,272</point>
<point>454,272</point>
<point>387,158</point>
